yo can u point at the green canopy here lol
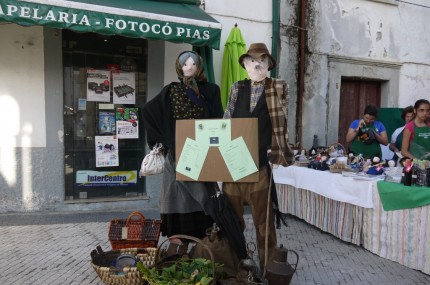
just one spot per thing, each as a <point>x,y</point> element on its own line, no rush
<point>231,70</point>
<point>391,118</point>
<point>207,56</point>
<point>159,20</point>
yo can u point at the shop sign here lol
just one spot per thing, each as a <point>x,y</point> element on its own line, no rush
<point>105,20</point>
<point>89,178</point>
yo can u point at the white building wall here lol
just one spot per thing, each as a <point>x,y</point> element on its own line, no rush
<point>22,109</point>
<point>253,18</point>
<point>345,37</point>
<point>383,40</point>
<point>22,92</point>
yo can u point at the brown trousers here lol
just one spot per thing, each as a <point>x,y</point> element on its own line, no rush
<point>255,194</point>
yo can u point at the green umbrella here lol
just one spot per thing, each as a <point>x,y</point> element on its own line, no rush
<point>231,70</point>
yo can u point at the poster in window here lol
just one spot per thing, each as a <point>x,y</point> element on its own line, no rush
<point>124,87</point>
<point>127,123</point>
<point>106,151</point>
<point>98,85</point>
<point>106,123</point>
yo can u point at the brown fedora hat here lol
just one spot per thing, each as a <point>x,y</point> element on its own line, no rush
<point>256,50</point>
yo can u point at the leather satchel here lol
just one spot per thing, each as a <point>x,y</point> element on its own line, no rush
<point>222,252</point>
<point>153,163</point>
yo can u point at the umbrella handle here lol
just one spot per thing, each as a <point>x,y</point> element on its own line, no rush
<point>266,238</point>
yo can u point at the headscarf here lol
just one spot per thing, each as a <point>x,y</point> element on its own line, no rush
<point>191,81</point>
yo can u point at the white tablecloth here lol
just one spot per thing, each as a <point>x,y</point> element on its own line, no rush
<point>330,185</point>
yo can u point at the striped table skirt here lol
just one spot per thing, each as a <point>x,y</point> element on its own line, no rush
<point>343,220</point>
<point>401,235</point>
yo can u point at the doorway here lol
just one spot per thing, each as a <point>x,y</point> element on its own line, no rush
<point>355,95</point>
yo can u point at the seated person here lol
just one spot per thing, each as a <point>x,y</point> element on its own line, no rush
<point>397,137</point>
<point>366,134</point>
<point>416,135</point>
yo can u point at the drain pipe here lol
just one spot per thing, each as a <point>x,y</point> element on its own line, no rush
<point>275,36</point>
<point>301,79</point>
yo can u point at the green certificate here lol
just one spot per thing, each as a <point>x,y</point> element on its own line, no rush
<point>238,159</point>
<point>213,132</point>
<point>192,158</point>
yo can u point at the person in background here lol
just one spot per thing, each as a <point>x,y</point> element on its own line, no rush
<point>366,134</point>
<point>416,135</point>
<point>181,202</point>
<point>266,99</point>
<point>397,136</point>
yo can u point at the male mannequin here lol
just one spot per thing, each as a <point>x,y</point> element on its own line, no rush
<point>266,99</point>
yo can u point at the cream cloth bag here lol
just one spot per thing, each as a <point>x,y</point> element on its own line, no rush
<point>153,163</point>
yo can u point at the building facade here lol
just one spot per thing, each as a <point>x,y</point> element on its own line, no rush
<point>335,56</point>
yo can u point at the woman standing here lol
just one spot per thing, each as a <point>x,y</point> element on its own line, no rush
<point>182,202</point>
<point>416,135</point>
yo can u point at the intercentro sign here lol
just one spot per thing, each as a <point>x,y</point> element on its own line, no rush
<point>90,178</point>
<point>106,20</point>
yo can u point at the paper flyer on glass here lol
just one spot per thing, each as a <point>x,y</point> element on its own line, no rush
<point>124,86</point>
<point>127,123</point>
<point>91,178</point>
<point>98,85</point>
<point>106,151</point>
<point>107,125</point>
<point>82,104</point>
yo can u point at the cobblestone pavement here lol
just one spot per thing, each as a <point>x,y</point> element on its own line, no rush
<point>54,248</point>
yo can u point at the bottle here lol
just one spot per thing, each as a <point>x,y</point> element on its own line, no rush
<point>427,174</point>
<point>407,173</point>
<point>313,151</point>
<point>421,174</point>
<point>414,171</point>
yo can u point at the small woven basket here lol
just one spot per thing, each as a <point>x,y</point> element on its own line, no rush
<point>102,262</point>
<point>336,147</point>
<point>134,232</point>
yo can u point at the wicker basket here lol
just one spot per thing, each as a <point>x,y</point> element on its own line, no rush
<point>301,163</point>
<point>336,147</point>
<point>134,232</point>
<point>102,263</point>
<point>340,167</point>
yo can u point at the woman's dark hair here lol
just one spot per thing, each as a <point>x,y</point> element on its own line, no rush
<point>371,110</point>
<point>419,102</point>
<point>409,109</point>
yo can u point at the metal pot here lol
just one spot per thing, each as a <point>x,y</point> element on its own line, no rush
<point>278,270</point>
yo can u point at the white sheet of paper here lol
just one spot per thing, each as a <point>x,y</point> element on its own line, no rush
<point>238,158</point>
<point>192,158</point>
<point>213,132</point>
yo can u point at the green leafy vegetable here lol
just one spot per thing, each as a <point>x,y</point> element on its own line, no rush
<point>181,272</point>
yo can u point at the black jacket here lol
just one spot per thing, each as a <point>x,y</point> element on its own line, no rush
<point>158,117</point>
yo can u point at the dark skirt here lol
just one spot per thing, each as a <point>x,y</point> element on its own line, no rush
<point>192,224</point>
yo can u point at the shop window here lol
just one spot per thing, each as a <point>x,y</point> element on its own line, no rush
<point>104,88</point>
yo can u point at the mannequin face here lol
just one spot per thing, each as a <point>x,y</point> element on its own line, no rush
<point>257,68</point>
<point>189,68</point>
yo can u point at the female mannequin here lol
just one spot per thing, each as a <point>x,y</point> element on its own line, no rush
<point>182,202</point>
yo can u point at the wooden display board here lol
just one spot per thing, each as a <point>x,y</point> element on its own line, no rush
<point>214,167</point>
